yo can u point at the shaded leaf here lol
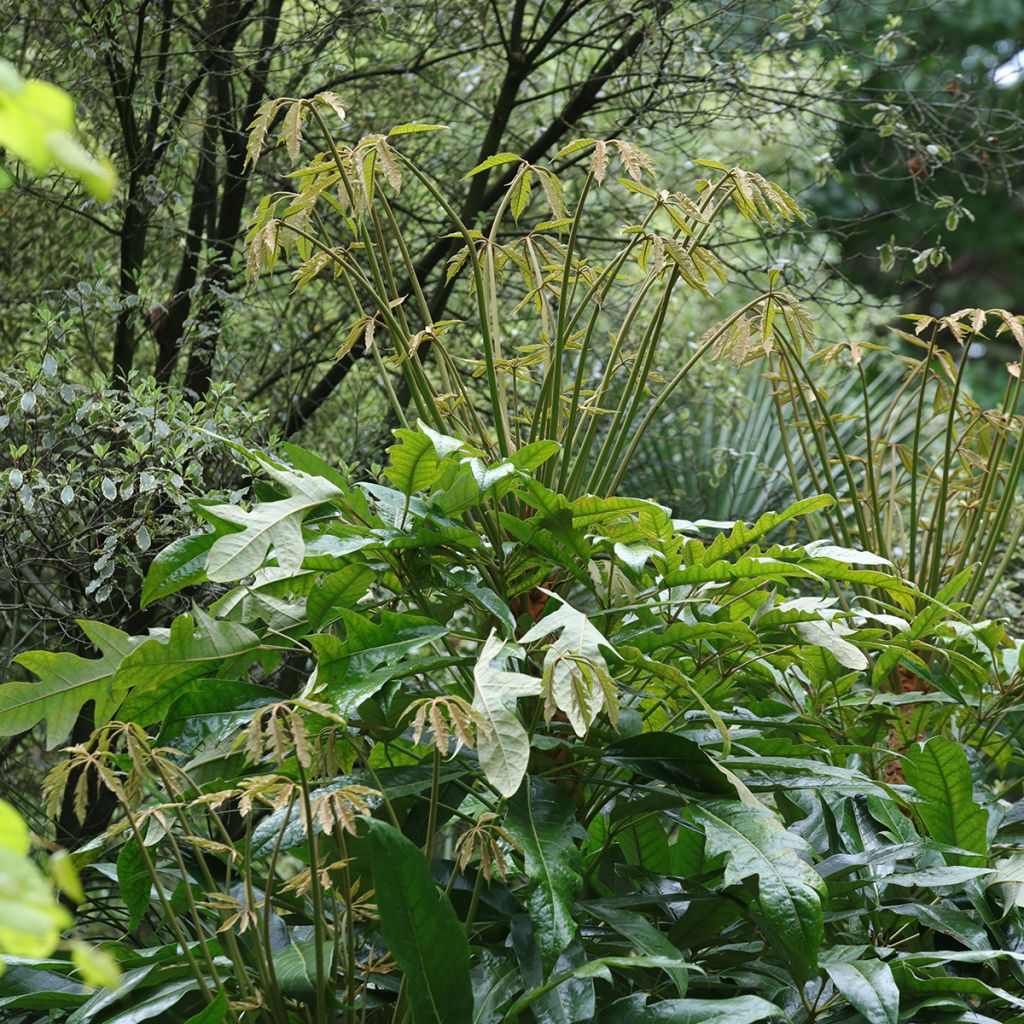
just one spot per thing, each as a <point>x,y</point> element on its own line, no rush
<point>420,927</point>
<point>543,820</point>
<point>789,889</point>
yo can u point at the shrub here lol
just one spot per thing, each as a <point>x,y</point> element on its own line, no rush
<point>459,747</point>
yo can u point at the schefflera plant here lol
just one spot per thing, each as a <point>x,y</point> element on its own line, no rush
<point>568,343</point>
<point>453,746</point>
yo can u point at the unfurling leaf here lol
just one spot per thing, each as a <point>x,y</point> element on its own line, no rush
<point>576,676</point>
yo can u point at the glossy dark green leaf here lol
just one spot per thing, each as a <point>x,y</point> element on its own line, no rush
<point>734,1010</point>
<point>421,930</point>
<point>163,999</point>
<point>789,891</point>
<point>641,933</point>
<point>25,988</point>
<point>343,669</point>
<point>211,712</point>
<point>670,758</point>
<point>542,818</point>
<point>295,967</point>
<point>571,1001</point>
<point>869,987</point>
<point>213,1013</point>
<point>341,589</point>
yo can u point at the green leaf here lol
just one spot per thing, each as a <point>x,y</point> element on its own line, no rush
<point>341,589</point>
<point>414,129</point>
<point>159,671</point>
<point>212,712</point>
<point>31,918</point>
<point>671,758</point>
<point>869,987</point>
<point>493,161</point>
<point>922,626</point>
<point>737,1010</point>
<point>940,773</point>
<point>14,834</point>
<point>535,454</point>
<point>276,524</point>
<point>213,1013</point>
<point>944,917</point>
<point>160,1001</point>
<point>502,743</point>
<point>520,190</point>
<point>468,581</point>
<point>180,564</point>
<point>37,121</point>
<point>97,967</point>
<point>66,683</point>
<point>574,147</point>
<point>743,534</point>
<point>295,967</point>
<point>347,670</point>
<point>134,881</point>
<point>419,925</point>
<point>640,932</point>
<point>414,462</point>
<point>312,464</point>
<point>645,844</point>
<point>789,890</point>
<point>30,988</point>
<point>543,820</point>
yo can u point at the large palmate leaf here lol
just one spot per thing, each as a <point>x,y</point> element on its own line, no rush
<point>502,743</point>
<point>576,675</point>
<point>421,929</point>
<point>870,988</point>
<point>543,821</point>
<point>789,889</point>
<point>160,670</point>
<point>66,683</point>
<point>940,773</point>
<point>276,524</point>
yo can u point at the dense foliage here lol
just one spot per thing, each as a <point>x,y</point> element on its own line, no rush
<point>659,771</point>
<point>444,724</point>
